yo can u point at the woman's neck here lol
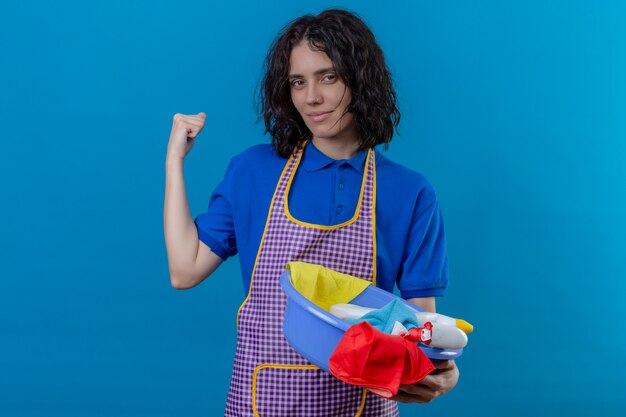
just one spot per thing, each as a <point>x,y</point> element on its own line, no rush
<point>336,149</point>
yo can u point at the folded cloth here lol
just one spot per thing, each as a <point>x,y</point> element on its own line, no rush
<point>325,287</point>
<point>385,318</point>
<point>377,361</point>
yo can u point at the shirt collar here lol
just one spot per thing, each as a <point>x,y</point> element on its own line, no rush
<point>313,159</point>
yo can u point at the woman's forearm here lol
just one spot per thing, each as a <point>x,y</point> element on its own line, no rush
<point>181,236</point>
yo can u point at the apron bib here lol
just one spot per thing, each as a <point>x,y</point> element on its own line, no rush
<point>270,378</point>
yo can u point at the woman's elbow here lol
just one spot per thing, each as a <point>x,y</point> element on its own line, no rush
<point>182,282</point>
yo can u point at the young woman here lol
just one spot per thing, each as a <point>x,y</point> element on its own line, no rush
<point>320,193</point>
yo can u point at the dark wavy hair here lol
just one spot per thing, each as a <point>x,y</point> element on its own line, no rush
<point>359,63</point>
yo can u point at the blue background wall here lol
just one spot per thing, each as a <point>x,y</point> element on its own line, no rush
<point>514,111</point>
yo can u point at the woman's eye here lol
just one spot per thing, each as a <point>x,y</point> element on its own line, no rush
<point>329,77</point>
<point>297,83</point>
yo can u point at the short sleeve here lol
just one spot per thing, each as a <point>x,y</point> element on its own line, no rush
<point>424,271</point>
<point>215,226</point>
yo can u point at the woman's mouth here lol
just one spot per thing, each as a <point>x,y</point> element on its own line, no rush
<point>318,117</point>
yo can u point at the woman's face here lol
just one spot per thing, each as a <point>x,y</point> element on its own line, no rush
<point>319,95</point>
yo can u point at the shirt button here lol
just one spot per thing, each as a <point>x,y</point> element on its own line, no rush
<point>339,209</point>
<point>341,186</point>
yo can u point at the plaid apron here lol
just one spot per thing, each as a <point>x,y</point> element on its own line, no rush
<point>269,377</point>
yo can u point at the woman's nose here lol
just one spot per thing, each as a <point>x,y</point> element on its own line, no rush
<point>313,95</point>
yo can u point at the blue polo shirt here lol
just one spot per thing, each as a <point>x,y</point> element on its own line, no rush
<point>410,242</point>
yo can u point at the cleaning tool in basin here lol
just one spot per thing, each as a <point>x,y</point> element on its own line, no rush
<point>377,361</point>
<point>353,311</point>
<point>443,336</point>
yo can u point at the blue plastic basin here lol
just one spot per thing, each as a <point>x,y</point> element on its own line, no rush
<point>314,333</point>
